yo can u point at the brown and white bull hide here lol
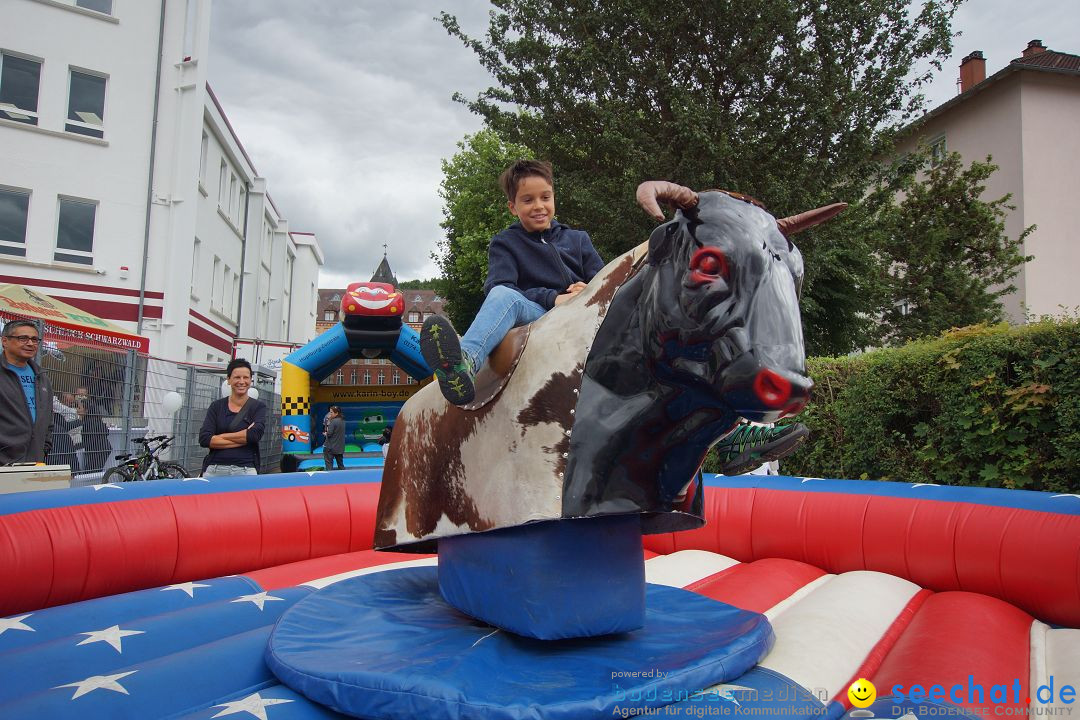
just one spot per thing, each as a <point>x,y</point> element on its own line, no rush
<point>499,462</point>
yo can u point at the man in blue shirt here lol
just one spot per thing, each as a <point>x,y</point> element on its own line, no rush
<point>25,397</point>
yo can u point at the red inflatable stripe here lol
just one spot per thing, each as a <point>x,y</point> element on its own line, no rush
<point>955,635</point>
<point>61,555</point>
<point>757,586</point>
<point>297,573</point>
<point>1027,557</point>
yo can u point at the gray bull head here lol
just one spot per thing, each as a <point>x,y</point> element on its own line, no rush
<point>613,399</point>
<point>706,332</point>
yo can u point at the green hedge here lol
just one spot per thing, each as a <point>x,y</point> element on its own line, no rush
<point>989,406</point>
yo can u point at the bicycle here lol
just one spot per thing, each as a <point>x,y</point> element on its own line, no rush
<point>145,465</point>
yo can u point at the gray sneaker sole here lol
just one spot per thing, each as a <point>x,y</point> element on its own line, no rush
<point>441,348</point>
<point>775,450</point>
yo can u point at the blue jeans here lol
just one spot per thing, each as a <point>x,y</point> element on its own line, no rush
<point>503,310</point>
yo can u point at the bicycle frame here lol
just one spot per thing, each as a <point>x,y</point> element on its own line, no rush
<point>145,465</point>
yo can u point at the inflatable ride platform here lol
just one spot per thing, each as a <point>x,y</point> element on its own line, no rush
<point>159,600</point>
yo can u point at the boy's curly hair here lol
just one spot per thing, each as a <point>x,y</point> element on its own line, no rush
<point>520,170</point>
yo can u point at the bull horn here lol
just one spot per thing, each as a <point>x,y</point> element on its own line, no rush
<point>797,223</point>
<point>652,192</point>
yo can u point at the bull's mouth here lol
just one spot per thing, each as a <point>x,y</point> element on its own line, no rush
<point>762,392</point>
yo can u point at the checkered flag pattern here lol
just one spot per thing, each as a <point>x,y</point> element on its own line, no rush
<point>295,405</point>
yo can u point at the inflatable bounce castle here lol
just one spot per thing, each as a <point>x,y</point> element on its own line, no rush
<point>371,327</point>
<point>584,567</point>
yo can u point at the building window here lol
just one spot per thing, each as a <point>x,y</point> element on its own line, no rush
<point>14,209</point>
<point>223,177</point>
<point>367,377</point>
<point>414,317</point>
<point>203,152</point>
<point>340,377</point>
<point>232,197</point>
<point>195,267</point>
<point>352,377</point>
<point>101,6</point>
<point>937,150</point>
<point>428,314</point>
<point>330,316</point>
<point>336,298</point>
<point>75,231</point>
<point>19,80</point>
<point>286,294</point>
<point>240,205</point>
<point>215,284</point>
<point>235,295</point>
<point>396,379</point>
<point>86,104</point>
<point>382,378</point>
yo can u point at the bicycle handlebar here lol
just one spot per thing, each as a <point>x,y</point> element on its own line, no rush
<point>147,441</point>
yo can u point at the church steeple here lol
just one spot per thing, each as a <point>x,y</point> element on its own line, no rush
<point>383,274</point>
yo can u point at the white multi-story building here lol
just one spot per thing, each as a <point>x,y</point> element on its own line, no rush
<point>1027,117</point>
<point>125,191</point>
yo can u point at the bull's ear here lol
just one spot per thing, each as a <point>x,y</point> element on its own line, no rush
<point>795,262</point>
<point>797,223</point>
<point>662,240</point>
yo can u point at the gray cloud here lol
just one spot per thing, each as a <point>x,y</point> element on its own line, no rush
<point>345,106</point>
<point>1002,29</point>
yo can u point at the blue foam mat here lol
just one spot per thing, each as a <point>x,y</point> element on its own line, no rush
<point>386,645</point>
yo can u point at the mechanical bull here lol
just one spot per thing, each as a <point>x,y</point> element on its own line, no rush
<point>608,404</point>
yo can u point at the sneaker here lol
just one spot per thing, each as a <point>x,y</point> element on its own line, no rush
<point>441,348</point>
<point>748,446</point>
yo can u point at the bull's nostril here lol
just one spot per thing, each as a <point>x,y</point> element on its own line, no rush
<point>771,388</point>
<point>794,408</point>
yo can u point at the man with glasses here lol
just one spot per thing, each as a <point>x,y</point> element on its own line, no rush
<point>25,397</point>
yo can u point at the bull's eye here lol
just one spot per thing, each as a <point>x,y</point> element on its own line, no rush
<point>707,264</point>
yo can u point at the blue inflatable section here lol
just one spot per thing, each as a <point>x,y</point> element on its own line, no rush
<point>386,645</point>
<point>350,463</point>
<point>542,580</point>
<point>153,653</point>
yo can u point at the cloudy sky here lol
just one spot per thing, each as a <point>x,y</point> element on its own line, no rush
<point>345,107</point>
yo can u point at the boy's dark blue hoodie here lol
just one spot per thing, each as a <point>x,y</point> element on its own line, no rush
<point>541,265</point>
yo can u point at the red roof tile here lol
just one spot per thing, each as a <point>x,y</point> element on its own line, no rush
<point>1050,59</point>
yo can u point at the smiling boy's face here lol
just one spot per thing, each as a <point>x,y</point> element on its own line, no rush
<point>534,204</point>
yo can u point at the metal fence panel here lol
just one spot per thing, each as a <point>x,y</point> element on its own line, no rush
<point>103,399</point>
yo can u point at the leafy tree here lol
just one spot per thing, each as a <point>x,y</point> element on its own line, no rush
<point>475,209</point>
<point>950,260</point>
<point>787,100</point>
<point>417,284</point>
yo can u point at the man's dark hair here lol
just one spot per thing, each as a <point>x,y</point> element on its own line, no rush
<point>520,170</point>
<point>10,328</point>
<point>237,363</point>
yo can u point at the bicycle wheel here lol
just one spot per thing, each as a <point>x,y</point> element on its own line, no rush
<point>172,470</point>
<point>120,473</point>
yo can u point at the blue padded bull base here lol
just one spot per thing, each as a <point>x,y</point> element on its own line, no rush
<point>549,580</point>
<point>386,645</point>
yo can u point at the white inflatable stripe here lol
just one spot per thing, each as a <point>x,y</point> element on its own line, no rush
<point>823,638</point>
<point>684,567</point>
<point>330,580</point>
<point>796,596</point>
<point>1038,655</point>
<point>1063,665</point>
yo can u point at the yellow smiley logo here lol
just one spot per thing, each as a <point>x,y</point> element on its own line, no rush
<point>862,693</point>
